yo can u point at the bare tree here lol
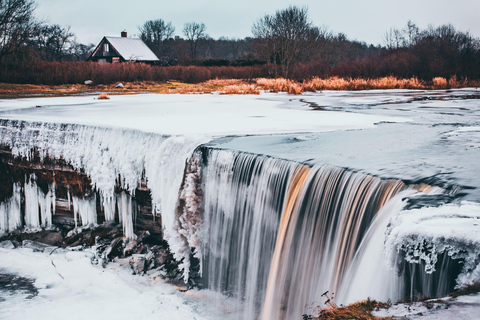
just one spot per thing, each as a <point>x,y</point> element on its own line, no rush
<point>411,32</point>
<point>394,38</point>
<point>17,24</point>
<point>154,32</point>
<point>194,32</point>
<point>80,51</point>
<point>286,36</point>
<point>54,41</point>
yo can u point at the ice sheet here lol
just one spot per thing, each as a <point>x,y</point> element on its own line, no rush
<point>211,114</point>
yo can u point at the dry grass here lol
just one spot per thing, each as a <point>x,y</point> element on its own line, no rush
<point>103,96</point>
<point>440,82</point>
<point>360,310</point>
<point>232,86</point>
<point>471,289</point>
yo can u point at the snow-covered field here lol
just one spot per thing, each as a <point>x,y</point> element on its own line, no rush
<point>212,115</point>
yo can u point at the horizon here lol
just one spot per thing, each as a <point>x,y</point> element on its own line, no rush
<point>364,22</point>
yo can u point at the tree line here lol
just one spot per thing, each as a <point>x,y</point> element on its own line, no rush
<point>285,43</point>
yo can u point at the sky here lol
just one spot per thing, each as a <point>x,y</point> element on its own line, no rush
<point>366,20</point>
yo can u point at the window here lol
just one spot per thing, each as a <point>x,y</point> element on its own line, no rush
<point>115,60</point>
<point>106,47</point>
<point>102,60</point>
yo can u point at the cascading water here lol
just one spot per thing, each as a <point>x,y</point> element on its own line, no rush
<point>243,202</point>
<point>280,233</point>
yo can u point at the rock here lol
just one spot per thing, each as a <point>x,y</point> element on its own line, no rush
<point>88,82</point>
<point>138,264</point>
<point>50,238</point>
<point>120,85</point>
<point>7,244</point>
<point>114,249</point>
<point>142,235</point>
<point>37,246</point>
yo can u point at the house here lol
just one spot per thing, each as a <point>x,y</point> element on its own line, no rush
<point>122,49</point>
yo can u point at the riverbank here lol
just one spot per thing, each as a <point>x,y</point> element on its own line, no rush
<point>229,86</point>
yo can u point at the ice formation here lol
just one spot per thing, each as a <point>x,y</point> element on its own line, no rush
<point>105,154</point>
<point>10,214</point>
<point>85,211</point>
<point>421,235</point>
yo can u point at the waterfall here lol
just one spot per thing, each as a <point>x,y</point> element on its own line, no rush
<point>243,201</point>
<point>280,233</point>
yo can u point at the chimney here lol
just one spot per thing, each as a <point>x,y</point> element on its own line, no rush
<point>124,34</point>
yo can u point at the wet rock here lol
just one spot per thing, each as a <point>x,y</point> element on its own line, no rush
<point>114,249</point>
<point>163,260</point>
<point>37,246</point>
<point>142,235</point>
<point>138,263</point>
<point>7,244</point>
<point>50,238</point>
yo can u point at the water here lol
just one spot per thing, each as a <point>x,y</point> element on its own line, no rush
<point>279,233</point>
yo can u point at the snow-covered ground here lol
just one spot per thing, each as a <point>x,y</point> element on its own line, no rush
<point>71,287</point>
<point>213,115</point>
<point>460,308</point>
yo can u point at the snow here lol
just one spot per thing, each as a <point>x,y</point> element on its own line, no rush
<point>215,115</point>
<point>70,287</point>
<point>461,308</point>
<point>132,48</point>
<point>423,234</point>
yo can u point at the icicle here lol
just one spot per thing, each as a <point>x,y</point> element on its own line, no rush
<point>47,206</point>
<point>69,199</point>
<point>109,204</point>
<point>127,212</point>
<point>10,215</point>
<point>86,210</point>
<point>32,220</point>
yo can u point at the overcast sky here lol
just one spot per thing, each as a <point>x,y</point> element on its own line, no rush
<point>363,20</point>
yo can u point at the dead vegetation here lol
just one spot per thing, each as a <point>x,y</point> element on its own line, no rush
<point>233,86</point>
<point>361,310</point>
<point>471,289</point>
<point>103,96</point>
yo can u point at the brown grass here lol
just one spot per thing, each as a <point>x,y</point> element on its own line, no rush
<point>103,96</point>
<point>231,86</point>
<point>471,289</point>
<point>360,310</point>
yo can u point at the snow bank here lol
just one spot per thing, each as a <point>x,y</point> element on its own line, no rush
<point>423,234</point>
<point>70,287</point>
